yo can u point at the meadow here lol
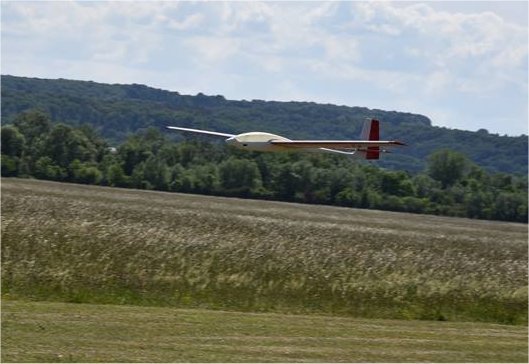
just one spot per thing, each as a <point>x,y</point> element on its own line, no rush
<point>67,332</point>
<point>89,244</point>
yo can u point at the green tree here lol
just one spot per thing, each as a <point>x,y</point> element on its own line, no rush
<point>477,205</point>
<point>305,183</point>
<point>447,166</point>
<point>13,142</point>
<point>65,144</point>
<point>132,153</point>
<point>156,172</point>
<point>424,185</point>
<point>239,175</point>
<point>510,207</point>
<point>138,180</point>
<point>206,178</point>
<point>86,173</point>
<point>285,182</point>
<point>396,183</point>
<point>116,177</point>
<point>176,179</point>
<point>348,197</point>
<point>33,125</point>
<point>45,168</point>
<point>9,166</point>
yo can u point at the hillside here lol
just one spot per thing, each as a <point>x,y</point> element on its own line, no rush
<point>118,110</point>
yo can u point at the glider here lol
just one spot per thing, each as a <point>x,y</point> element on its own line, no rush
<point>369,147</point>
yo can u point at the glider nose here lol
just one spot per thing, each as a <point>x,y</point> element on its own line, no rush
<point>234,142</point>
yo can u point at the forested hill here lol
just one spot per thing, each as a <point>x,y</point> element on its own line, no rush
<point>119,110</point>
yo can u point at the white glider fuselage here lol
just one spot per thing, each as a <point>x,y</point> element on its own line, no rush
<point>258,142</point>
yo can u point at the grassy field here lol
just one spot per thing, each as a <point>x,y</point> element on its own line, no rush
<point>88,244</point>
<point>66,332</point>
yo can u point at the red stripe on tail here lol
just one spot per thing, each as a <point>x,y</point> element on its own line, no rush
<point>374,134</point>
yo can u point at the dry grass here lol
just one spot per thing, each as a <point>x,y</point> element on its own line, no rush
<point>62,332</point>
<point>92,244</point>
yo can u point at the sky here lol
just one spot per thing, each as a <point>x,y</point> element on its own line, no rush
<point>462,64</point>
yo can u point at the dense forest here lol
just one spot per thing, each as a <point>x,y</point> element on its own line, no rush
<point>450,184</point>
<point>118,111</point>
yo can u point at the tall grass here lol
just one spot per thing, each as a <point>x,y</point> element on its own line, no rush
<point>90,244</point>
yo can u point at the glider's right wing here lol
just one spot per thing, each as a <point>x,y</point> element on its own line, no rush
<point>207,132</point>
<point>369,147</point>
<point>337,144</point>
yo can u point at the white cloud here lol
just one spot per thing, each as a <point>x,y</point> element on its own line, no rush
<point>404,56</point>
<point>213,50</point>
<point>191,22</point>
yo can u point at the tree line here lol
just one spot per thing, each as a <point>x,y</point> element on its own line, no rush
<point>451,185</point>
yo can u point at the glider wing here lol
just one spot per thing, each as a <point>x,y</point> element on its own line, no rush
<point>337,144</point>
<point>207,132</point>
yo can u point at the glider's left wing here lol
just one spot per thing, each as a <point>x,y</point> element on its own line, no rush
<point>336,144</point>
<point>207,132</point>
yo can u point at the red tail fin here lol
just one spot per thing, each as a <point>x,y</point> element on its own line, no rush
<point>371,131</point>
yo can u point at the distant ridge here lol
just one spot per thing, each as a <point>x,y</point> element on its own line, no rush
<point>118,110</point>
